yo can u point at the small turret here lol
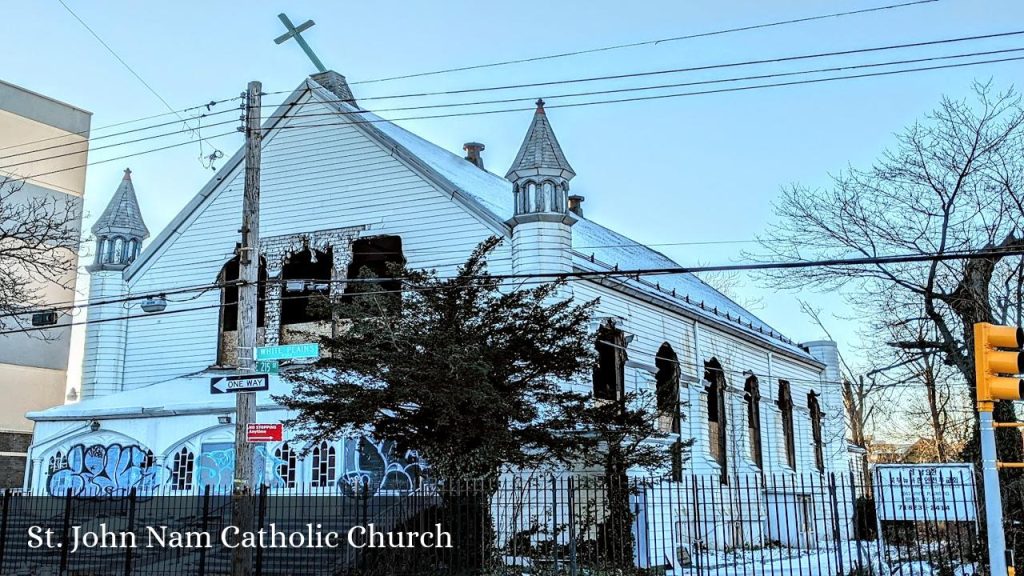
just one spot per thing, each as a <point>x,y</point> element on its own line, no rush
<point>119,233</point>
<point>542,221</point>
<point>120,230</point>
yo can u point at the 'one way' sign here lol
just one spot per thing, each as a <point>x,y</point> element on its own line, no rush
<point>239,383</point>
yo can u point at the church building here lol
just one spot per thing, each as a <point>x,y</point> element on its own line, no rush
<point>343,189</point>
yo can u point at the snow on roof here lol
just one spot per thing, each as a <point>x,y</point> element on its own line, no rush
<point>609,248</point>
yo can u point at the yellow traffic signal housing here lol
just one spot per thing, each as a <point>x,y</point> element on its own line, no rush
<point>998,355</point>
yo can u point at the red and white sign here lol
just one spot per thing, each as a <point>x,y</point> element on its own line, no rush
<point>264,432</point>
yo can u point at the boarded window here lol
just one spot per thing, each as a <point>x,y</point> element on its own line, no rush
<point>752,394</point>
<point>376,257</point>
<point>610,372</point>
<point>816,418</point>
<point>714,375</point>
<point>306,282</point>
<point>785,404</point>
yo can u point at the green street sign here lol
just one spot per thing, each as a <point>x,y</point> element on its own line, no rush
<point>288,352</point>
<point>267,366</point>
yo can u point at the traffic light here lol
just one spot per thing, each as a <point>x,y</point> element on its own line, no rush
<point>997,356</point>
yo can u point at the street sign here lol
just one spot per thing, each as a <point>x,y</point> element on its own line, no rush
<point>239,383</point>
<point>925,492</point>
<point>255,432</point>
<point>268,366</point>
<point>288,352</point>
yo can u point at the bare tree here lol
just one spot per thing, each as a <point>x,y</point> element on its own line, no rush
<point>954,184</point>
<point>39,237</point>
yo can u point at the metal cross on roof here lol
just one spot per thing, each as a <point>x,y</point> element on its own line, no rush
<point>296,32</point>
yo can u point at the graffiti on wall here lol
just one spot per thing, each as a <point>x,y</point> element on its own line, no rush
<point>372,467</point>
<point>104,470</point>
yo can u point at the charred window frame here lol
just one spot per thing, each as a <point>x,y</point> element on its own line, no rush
<point>785,404</point>
<point>229,296</point>
<point>717,424</point>
<point>816,419</point>
<point>306,279</point>
<point>610,372</point>
<point>375,257</point>
<point>667,385</point>
<point>752,394</point>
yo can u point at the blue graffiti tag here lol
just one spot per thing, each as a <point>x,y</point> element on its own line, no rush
<point>105,470</point>
<point>378,466</point>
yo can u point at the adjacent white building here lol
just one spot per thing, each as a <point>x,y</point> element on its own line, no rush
<point>44,144</point>
<point>343,189</point>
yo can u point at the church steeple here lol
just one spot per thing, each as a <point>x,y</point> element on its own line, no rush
<point>120,230</point>
<point>540,173</point>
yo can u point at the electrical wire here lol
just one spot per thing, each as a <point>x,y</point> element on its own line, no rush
<point>646,42</point>
<point>585,93</point>
<point>581,275</point>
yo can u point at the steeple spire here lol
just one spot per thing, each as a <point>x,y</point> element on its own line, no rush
<point>540,154</point>
<point>120,230</point>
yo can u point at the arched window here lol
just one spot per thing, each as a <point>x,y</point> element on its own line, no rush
<point>549,195</point>
<point>108,250</point>
<point>667,387</point>
<point>229,296</point>
<point>324,457</point>
<point>101,250</point>
<point>58,461</point>
<point>131,251</point>
<point>816,417</point>
<point>752,394</point>
<point>540,203</point>
<point>182,469</point>
<point>531,197</point>
<point>785,404</point>
<point>118,250</point>
<point>610,372</point>
<point>715,377</point>
<point>284,471</point>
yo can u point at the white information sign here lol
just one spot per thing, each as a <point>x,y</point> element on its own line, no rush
<point>925,492</point>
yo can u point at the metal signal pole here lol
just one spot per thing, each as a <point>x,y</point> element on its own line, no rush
<point>248,293</point>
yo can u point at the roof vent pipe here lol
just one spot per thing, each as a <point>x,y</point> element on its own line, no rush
<point>473,150</point>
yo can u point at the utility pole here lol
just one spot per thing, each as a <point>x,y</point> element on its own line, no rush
<point>248,293</point>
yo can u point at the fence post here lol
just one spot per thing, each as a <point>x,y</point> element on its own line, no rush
<point>64,532</point>
<point>131,528</point>
<point>259,526</point>
<point>3,528</point>
<point>571,503</point>
<point>204,522</point>
<point>835,520</point>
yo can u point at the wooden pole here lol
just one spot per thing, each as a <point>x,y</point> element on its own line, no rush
<point>248,293</point>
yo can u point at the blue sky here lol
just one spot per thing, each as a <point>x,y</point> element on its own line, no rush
<point>694,169</point>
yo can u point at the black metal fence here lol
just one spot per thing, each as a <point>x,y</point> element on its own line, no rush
<point>536,523</point>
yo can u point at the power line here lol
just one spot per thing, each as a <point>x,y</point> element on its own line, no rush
<point>125,64</point>
<point>581,275</point>
<point>644,43</point>
<point>554,106</point>
<point>777,60</point>
<point>567,95</point>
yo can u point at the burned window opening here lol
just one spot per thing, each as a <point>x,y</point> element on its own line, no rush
<point>610,372</point>
<point>229,295</point>
<point>375,257</point>
<point>816,418</point>
<point>667,387</point>
<point>306,283</point>
<point>715,377</point>
<point>785,404</point>
<point>752,394</point>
